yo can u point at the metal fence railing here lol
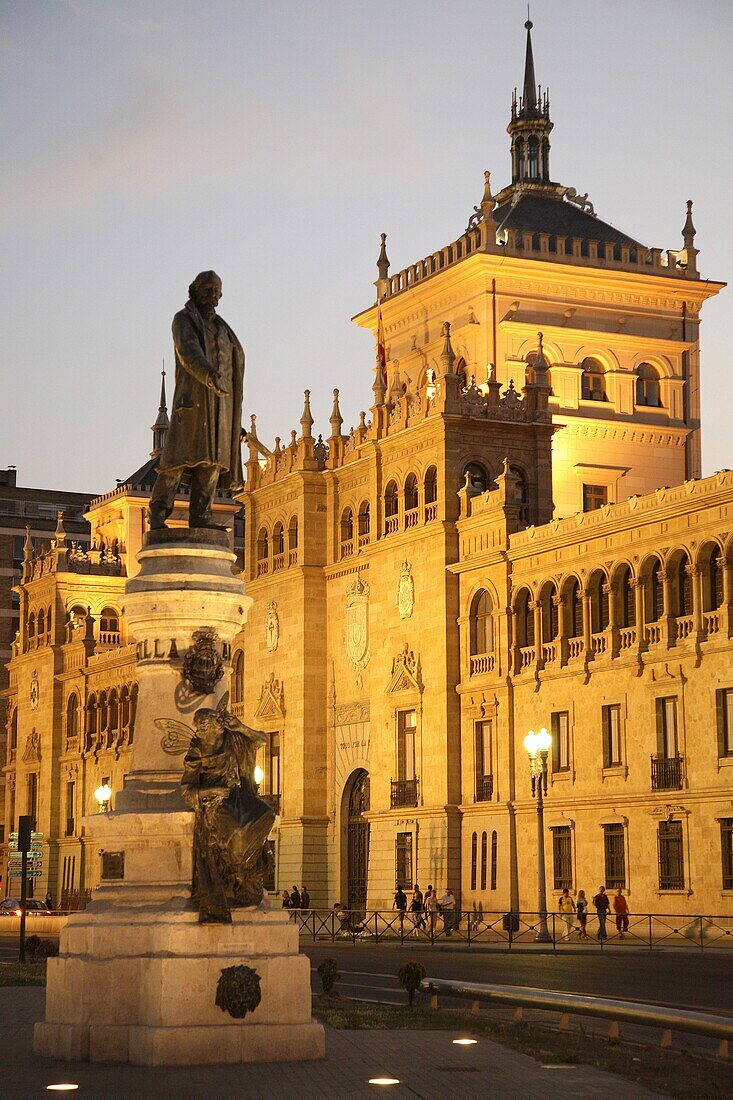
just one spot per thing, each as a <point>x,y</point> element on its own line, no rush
<point>668,1018</point>
<point>516,929</point>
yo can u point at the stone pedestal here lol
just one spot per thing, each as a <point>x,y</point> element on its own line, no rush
<point>137,974</point>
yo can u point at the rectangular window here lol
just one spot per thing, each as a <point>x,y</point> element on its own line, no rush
<point>594,497</point>
<point>560,741</point>
<point>274,763</point>
<point>406,725</point>
<point>724,707</point>
<point>726,848</point>
<point>31,798</point>
<point>611,735</point>
<point>671,859</point>
<point>615,855</point>
<point>403,860</point>
<point>484,774</point>
<point>494,847</point>
<point>70,795</point>
<point>667,727</point>
<point>562,857</point>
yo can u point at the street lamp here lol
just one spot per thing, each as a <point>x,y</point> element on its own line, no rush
<point>103,795</point>
<point>259,775</point>
<point>538,746</point>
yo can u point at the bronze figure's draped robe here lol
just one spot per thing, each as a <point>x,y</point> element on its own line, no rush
<point>232,822</point>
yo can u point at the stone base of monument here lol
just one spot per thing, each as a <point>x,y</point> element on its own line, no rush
<point>136,984</point>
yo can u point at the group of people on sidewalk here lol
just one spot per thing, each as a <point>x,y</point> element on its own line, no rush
<point>296,899</point>
<point>570,909</point>
<point>425,908</point>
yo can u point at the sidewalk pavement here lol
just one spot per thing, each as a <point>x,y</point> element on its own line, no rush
<point>427,1064</point>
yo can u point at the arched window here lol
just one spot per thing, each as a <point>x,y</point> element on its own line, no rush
<point>474,859</point>
<point>431,485</point>
<point>391,507</point>
<point>713,581</point>
<point>522,496</point>
<point>647,385</point>
<point>72,717</point>
<point>411,500</point>
<point>293,533</point>
<point>484,857</point>
<point>31,626</point>
<point>655,606</point>
<point>263,551</point>
<point>278,539</point>
<point>683,586</point>
<point>364,520</point>
<point>481,624</point>
<point>460,369</point>
<point>41,624</point>
<point>533,158</point>
<point>477,475</point>
<point>48,620</point>
<point>524,616</point>
<point>125,709</point>
<point>574,609</point>
<point>92,720</point>
<point>625,599</point>
<point>592,382</point>
<point>109,625</point>
<point>347,532</point>
<point>76,623</point>
<point>494,853</point>
<point>103,712</point>
<point>113,723</point>
<point>598,602</point>
<point>550,624</point>
<point>238,677</point>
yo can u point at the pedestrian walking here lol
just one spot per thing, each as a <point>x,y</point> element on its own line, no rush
<point>581,910</point>
<point>400,904</point>
<point>417,908</point>
<point>447,908</point>
<point>433,908</point>
<point>602,905</point>
<point>285,900</point>
<point>567,912</point>
<point>305,898</point>
<point>295,899</point>
<point>49,901</point>
<point>621,909</point>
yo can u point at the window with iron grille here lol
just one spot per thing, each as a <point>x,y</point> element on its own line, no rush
<point>562,857</point>
<point>726,848</point>
<point>724,707</point>
<point>615,855</point>
<point>403,860</point>
<point>560,724</point>
<point>611,735</point>
<point>671,858</point>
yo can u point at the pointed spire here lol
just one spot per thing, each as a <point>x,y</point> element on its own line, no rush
<point>383,261</point>
<point>60,534</point>
<point>378,389</point>
<point>306,420</point>
<point>688,236</point>
<point>336,417</point>
<point>541,365</point>
<point>529,93</point>
<point>162,423</point>
<point>28,545</point>
<point>447,356</point>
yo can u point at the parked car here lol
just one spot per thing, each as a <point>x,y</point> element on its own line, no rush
<point>11,908</point>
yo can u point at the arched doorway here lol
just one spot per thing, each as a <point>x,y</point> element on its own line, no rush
<point>358,842</point>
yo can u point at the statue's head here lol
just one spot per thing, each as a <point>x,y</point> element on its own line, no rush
<point>205,291</point>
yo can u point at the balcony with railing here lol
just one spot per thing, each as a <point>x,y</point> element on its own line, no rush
<point>404,792</point>
<point>527,655</point>
<point>347,549</point>
<point>626,638</point>
<point>550,652</point>
<point>263,567</point>
<point>278,562</point>
<point>411,518</point>
<point>653,633</point>
<point>363,540</point>
<point>684,626</point>
<point>484,788</point>
<point>110,638</point>
<point>576,647</point>
<point>599,643</point>
<point>667,773</point>
<point>711,621</point>
<point>431,511</point>
<point>481,663</point>
<point>293,556</point>
<point>391,524</point>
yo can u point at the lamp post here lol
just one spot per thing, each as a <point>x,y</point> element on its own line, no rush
<point>538,746</point>
<point>103,795</point>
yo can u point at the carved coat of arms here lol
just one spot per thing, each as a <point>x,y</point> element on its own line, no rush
<point>405,591</point>
<point>202,666</point>
<point>357,626</point>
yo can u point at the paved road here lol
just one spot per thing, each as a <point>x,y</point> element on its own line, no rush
<point>695,980</point>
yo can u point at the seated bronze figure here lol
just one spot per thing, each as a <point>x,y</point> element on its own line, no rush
<point>232,822</point>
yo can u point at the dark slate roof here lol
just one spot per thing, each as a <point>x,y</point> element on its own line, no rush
<point>546,214</point>
<point>144,478</point>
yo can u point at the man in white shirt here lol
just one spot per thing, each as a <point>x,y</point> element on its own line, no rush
<point>447,907</point>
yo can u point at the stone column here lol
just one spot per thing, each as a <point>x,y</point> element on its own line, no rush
<point>587,626</point>
<point>536,608</point>
<point>610,591</point>
<point>667,619</point>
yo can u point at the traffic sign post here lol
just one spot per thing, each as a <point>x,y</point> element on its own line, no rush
<point>24,840</point>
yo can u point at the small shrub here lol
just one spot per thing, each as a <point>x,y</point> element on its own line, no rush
<point>47,949</point>
<point>329,974</point>
<point>32,945</point>
<point>409,976</point>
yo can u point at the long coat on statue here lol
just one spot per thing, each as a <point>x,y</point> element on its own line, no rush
<point>193,436</point>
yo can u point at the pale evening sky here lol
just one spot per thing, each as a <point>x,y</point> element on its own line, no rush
<point>146,141</point>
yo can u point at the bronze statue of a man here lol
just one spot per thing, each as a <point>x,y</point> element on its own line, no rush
<point>203,441</point>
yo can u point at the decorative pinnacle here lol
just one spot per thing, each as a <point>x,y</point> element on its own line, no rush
<point>447,357</point>
<point>60,533</point>
<point>378,389</point>
<point>689,229</point>
<point>28,545</point>
<point>540,363</point>
<point>383,261</point>
<point>306,420</point>
<point>336,417</point>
